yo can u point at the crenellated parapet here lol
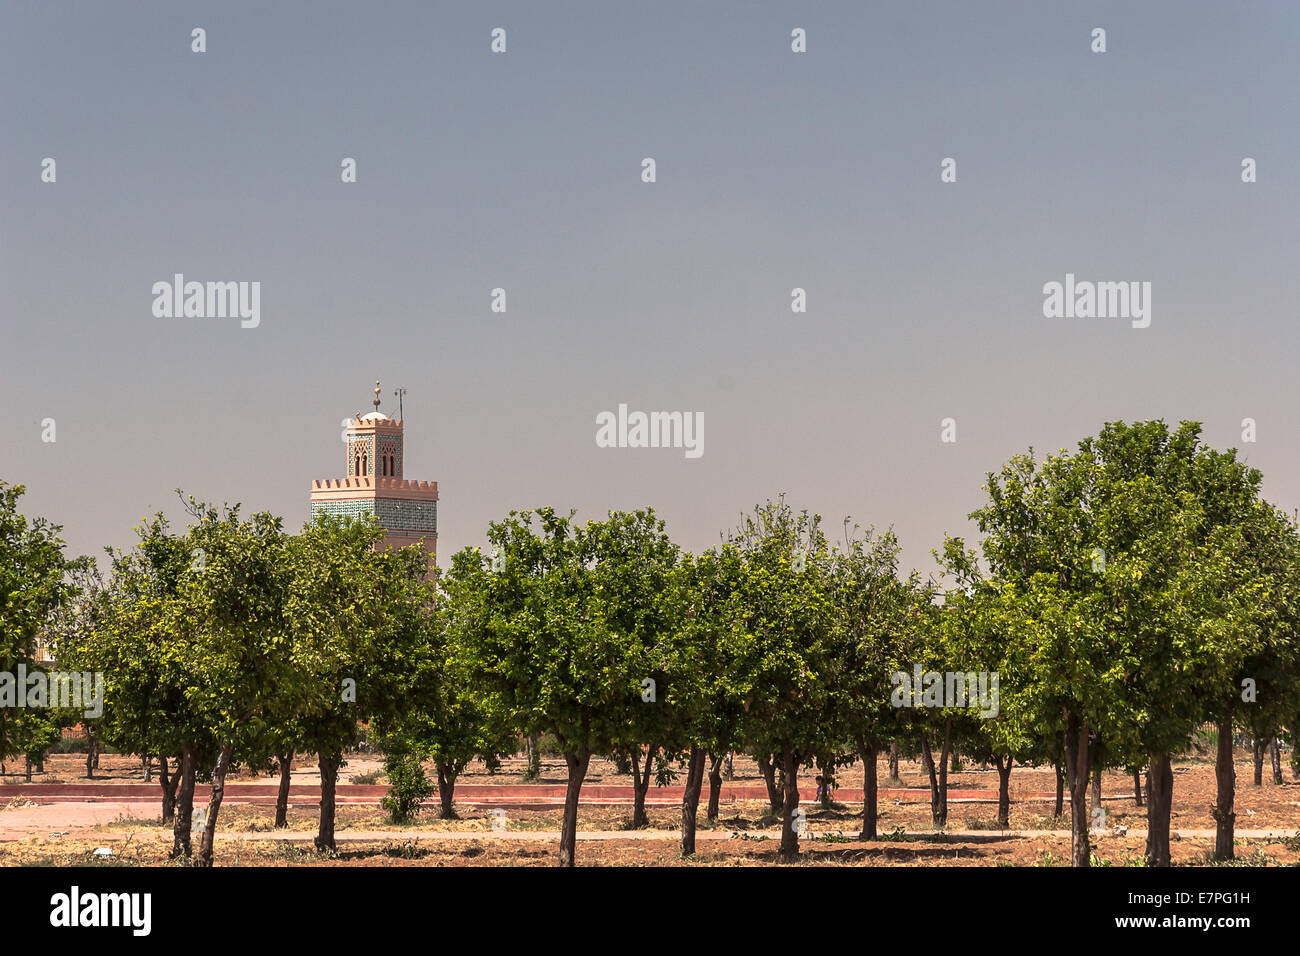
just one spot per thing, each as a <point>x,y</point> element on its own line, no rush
<point>374,482</point>
<point>375,424</point>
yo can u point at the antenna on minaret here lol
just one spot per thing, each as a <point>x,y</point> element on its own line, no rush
<point>399,392</point>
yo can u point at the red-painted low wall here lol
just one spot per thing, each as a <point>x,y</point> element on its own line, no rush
<point>467,794</point>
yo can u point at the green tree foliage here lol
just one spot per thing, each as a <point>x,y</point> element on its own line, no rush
<point>134,635</point>
<point>235,650</point>
<point>875,636</point>
<point>783,648</point>
<point>544,645</point>
<point>1115,557</point>
<point>36,582</point>
<point>441,716</point>
<point>360,621</point>
<point>705,690</point>
<point>635,580</point>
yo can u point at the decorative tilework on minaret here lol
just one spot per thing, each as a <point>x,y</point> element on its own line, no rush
<point>406,510</point>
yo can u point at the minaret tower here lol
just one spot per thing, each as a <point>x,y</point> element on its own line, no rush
<point>406,510</point>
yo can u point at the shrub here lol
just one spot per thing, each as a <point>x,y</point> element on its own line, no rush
<point>408,787</point>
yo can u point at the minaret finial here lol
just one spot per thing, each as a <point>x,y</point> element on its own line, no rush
<point>376,394</point>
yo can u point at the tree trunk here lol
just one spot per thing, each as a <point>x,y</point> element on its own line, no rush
<point>893,761</point>
<point>790,802</point>
<point>148,768</point>
<point>1060,787</point>
<point>1077,754</point>
<point>282,795</point>
<point>577,764</point>
<point>715,785</point>
<point>691,798</point>
<point>329,776</point>
<point>214,804</point>
<point>184,806</point>
<point>870,789</point>
<point>942,819</point>
<point>1160,776</point>
<point>169,783</point>
<point>1226,775</point>
<point>769,777</point>
<point>1004,789</point>
<point>927,758</point>
<point>640,785</point>
<point>1259,761</point>
<point>1137,786</point>
<point>534,757</point>
<point>446,789</point>
<point>1275,753</point>
<point>28,769</point>
<point>90,757</point>
<point>826,764</point>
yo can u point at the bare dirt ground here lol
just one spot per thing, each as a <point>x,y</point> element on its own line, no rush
<point>1269,805</point>
<point>745,833</point>
<point>150,849</point>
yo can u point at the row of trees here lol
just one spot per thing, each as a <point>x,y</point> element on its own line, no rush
<point>1140,588</point>
<point>1125,594</point>
<point>236,643</point>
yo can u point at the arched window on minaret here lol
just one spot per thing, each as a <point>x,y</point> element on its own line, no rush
<point>356,468</point>
<point>365,464</point>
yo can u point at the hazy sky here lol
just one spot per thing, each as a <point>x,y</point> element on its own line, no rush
<point>522,171</point>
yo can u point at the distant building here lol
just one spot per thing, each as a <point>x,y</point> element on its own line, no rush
<point>43,650</point>
<point>406,510</point>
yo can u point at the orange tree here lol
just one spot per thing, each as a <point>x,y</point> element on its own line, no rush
<point>873,639</point>
<point>1113,560</point>
<point>36,582</point>
<point>783,646</point>
<point>543,649</point>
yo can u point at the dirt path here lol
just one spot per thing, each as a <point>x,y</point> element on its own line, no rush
<point>18,823</point>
